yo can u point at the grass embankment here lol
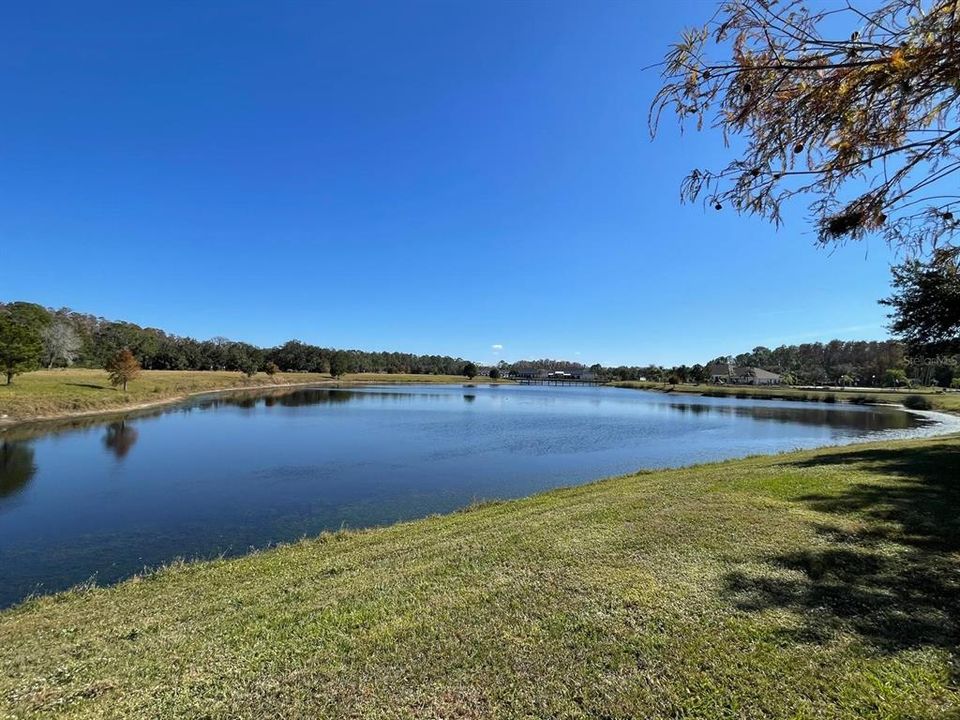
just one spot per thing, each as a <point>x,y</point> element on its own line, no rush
<point>49,393</point>
<point>939,400</point>
<point>822,584</point>
<point>53,393</point>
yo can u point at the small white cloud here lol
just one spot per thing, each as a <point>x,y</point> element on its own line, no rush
<point>496,347</point>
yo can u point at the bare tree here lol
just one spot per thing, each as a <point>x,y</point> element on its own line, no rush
<point>60,343</point>
<point>856,110</point>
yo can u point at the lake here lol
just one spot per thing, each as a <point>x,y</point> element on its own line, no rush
<point>103,499</point>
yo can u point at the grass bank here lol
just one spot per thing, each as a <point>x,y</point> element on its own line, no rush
<point>54,393</point>
<point>820,584</point>
<point>939,400</point>
<point>59,393</point>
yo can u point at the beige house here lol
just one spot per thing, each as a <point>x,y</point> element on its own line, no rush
<point>726,374</point>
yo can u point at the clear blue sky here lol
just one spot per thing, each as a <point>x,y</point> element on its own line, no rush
<point>428,177</point>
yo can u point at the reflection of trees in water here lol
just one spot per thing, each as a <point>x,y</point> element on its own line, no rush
<point>829,417</point>
<point>16,467</point>
<point>469,398</point>
<point>285,398</point>
<point>120,438</point>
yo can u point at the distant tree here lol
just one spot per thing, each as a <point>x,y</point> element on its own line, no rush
<point>788,378</point>
<point>494,373</point>
<point>895,377</point>
<point>248,366</point>
<point>122,368</point>
<point>469,370</point>
<point>339,363</point>
<point>20,347</point>
<point>29,314</point>
<point>271,368</point>
<point>698,373</point>
<point>61,343</point>
<point>944,372</point>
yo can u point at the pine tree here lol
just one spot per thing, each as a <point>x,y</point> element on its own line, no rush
<point>20,347</point>
<point>122,368</point>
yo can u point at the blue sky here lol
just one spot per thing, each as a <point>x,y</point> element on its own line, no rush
<point>432,177</point>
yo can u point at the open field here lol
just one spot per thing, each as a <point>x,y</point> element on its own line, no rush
<point>59,392</point>
<point>52,393</point>
<point>939,400</point>
<point>821,584</point>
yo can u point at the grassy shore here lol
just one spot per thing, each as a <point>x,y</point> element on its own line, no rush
<point>820,584</point>
<point>939,400</point>
<point>55,393</point>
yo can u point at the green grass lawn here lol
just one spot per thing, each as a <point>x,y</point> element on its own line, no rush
<point>820,584</point>
<point>939,400</point>
<point>55,392</point>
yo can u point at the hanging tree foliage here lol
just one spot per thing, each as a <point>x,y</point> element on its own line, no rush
<point>855,110</point>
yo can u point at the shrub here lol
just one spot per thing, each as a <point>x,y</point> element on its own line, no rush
<point>917,402</point>
<point>271,368</point>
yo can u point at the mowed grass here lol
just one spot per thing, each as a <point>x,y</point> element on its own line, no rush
<point>939,400</point>
<point>55,392</point>
<point>820,584</point>
<point>51,393</point>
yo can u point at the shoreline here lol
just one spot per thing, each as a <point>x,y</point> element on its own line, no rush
<point>696,553</point>
<point>19,422</point>
<point>943,416</point>
<point>864,397</point>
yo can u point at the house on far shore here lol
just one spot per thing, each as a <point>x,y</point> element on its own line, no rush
<point>726,374</point>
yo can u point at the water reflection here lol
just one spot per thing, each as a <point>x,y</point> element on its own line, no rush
<point>224,473</point>
<point>874,420</point>
<point>16,467</point>
<point>120,438</point>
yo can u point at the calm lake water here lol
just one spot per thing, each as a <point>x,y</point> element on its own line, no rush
<point>103,499</point>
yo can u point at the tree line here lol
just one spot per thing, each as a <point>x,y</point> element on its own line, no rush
<point>857,363</point>
<point>32,336</point>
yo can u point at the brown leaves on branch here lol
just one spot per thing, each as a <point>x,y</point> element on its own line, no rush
<point>859,112</point>
<point>122,368</point>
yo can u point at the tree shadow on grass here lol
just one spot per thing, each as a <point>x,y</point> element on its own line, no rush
<point>888,569</point>
<point>89,385</point>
